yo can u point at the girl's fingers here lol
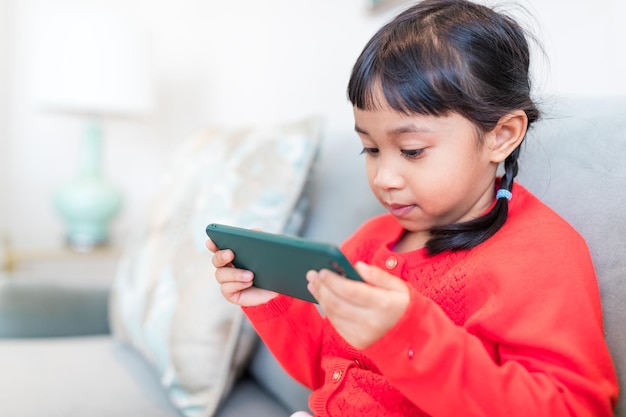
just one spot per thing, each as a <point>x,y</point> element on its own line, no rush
<point>223,258</point>
<point>234,289</point>
<point>340,290</point>
<point>225,275</point>
<point>210,245</point>
<point>379,278</point>
<point>236,284</point>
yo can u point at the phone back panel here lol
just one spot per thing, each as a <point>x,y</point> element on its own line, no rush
<point>279,262</point>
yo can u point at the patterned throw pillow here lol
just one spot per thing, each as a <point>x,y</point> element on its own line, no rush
<point>165,301</point>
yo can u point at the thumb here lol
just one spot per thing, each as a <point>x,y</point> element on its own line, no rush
<point>379,278</point>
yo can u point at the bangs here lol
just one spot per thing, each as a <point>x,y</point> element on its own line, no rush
<point>407,72</point>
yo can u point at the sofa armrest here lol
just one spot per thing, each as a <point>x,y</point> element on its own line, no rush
<point>29,309</point>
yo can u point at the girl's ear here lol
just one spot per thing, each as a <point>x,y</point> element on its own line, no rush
<point>507,135</point>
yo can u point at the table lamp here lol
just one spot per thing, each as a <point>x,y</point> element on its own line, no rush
<point>92,64</point>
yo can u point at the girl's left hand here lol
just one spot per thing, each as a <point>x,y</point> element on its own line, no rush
<point>360,312</point>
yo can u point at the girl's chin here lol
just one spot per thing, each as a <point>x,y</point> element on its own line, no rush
<point>414,226</point>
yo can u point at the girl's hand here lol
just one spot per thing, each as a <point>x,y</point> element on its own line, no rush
<point>360,312</point>
<point>236,284</point>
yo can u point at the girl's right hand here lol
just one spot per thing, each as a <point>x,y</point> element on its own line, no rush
<point>236,284</point>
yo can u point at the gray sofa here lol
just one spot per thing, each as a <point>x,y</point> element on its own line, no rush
<point>57,358</point>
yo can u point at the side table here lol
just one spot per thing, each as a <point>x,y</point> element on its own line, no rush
<point>56,293</point>
<point>96,268</point>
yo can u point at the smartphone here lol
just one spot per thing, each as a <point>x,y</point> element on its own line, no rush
<point>280,262</point>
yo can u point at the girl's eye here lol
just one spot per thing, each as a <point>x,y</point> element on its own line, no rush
<point>369,151</point>
<point>412,153</point>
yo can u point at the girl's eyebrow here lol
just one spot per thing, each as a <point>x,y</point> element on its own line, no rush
<point>359,130</point>
<point>408,128</point>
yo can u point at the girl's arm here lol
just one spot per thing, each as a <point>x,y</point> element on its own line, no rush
<point>292,331</point>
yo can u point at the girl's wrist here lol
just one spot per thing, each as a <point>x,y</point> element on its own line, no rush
<point>273,308</point>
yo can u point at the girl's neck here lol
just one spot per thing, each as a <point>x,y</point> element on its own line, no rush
<point>411,241</point>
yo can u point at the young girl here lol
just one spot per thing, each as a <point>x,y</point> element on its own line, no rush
<point>478,299</point>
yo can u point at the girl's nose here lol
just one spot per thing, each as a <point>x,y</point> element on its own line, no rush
<point>387,175</point>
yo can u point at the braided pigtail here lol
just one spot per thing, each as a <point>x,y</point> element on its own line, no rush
<point>466,235</point>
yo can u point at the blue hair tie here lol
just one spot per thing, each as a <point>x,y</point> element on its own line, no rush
<point>502,193</point>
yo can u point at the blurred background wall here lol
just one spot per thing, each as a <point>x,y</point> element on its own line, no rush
<point>236,63</point>
<point>4,111</point>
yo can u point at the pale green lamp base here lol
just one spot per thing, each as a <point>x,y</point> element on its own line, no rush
<point>88,203</point>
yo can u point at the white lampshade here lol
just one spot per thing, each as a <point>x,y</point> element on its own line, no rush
<point>91,61</point>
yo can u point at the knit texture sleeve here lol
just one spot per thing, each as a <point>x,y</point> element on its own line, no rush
<point>291,330</point>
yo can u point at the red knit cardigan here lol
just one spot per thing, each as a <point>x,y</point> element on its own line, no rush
<point>512,327</point>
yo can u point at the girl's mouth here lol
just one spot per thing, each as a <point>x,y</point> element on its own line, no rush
<point>400,210</point>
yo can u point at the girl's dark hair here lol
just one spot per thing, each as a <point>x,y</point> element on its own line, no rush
<point>451,56</point>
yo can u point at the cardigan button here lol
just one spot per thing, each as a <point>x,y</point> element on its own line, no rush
<point>337,375</point>
<point>391,262</point>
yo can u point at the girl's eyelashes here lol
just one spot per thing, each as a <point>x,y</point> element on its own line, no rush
<point>409,154</point>
<point>406,153</point>
<point>412,153</point>
<point>369,151</point>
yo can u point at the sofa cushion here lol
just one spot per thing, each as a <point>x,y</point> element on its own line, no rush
<point>249,399</point>
<point>100,378</point>
<point>165,300</point>
<point>268,374</point>
<point>573,161</point>
<point>78,376</point>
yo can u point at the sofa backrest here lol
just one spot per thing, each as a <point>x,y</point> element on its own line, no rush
<point>573,161</point>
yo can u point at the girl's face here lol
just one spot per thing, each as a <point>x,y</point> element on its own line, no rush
<point>427,171</point>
